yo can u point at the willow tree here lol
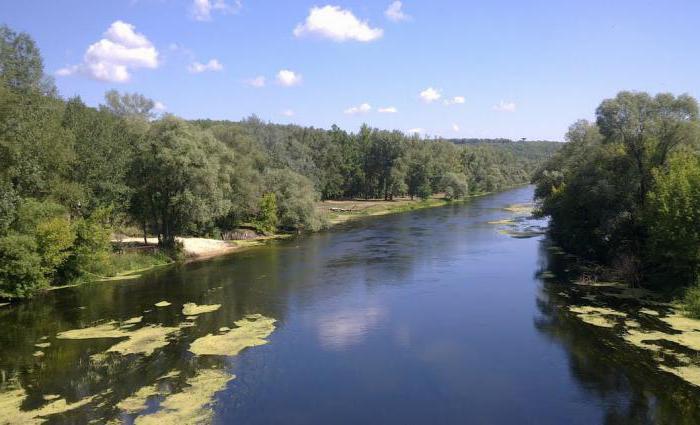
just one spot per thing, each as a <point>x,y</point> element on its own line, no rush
<point>179,179</point>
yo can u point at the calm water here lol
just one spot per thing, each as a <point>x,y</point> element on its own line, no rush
<point>426,317</point>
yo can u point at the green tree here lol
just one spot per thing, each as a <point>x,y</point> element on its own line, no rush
<point>20,267</point>
<point>266,220</point>
<point>178,179</point>
<point>455,186</point>
<point>673,217</point>
<point>21,65</point>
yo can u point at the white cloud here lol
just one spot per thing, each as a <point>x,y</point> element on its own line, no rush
<point>416,130</point>
<point>257,82</point>
<point>160,106</point>
<point>114,57</point>
<point>504,106</point>
<point>202,9</point>
<point>288,78</point>
<point>455,128</point>
<point>336,24</point>
<point>288,113</point>
<point>457,100</point>
<point>394,12</point>
<point>360,109</point>
<point>430,95</point>
<point>213,65</point>
<point>388,110</point>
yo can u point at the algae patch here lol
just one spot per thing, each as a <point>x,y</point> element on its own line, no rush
<point>144,340</point>
<point>162,304</point>
<point>193,404</point>
<point>251,331</point>
<point>11,408</point>
<point>133,320</point>
<point>597,316</point>
<point>192,309</point>
<point>106,330</point>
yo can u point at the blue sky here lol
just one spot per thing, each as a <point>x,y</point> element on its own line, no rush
<point>522,68</point>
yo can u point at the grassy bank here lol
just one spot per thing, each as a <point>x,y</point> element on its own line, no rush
<point>337,212</point>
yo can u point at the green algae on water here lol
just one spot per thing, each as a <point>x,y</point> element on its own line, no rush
<point>133,320</point>
<point>597,316</point>
<point>193,404</point>
<point>144,340</point>
<point>192,309</point>
<point>11,412</point>
<point>251,331</point>
<point>106,330</point>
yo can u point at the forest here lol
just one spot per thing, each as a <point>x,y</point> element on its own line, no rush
<point>71,174</point>
<point>624,191</point>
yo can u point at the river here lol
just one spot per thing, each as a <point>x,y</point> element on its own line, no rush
<point>434,316</point>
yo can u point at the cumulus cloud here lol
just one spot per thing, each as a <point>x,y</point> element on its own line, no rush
<point>359,109</point>
<point>288,78</point>
<point>416,130</point>
<point>202,9</point>
<point>114,57</point>
<point>394,12</point>
<point>213,65</point>
<point>430,95</point>
<point>457,100</point>
<point>336,24</point>
<point>257,82</point>
<point>388,110</point>
<point>288,113</point>
<point>455,128</point>
<point>504,106</point>
<point>159,106</point>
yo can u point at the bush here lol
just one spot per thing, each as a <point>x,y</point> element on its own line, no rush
<point>266,220</point>
<point>20,267</point>
<point>92,247</point>
<point>691,301</point>
<point>455,186</point>
<point>54,239</point>
<point>672,217</point>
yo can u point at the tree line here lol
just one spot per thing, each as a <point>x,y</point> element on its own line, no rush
<point>71,174</point>
<point>625,190</point>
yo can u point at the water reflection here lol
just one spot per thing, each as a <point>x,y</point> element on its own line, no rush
<point>424,317</point>
<point>341,329</point>
<point>627,380</point>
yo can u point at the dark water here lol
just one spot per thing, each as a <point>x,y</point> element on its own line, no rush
<point>426,317</point>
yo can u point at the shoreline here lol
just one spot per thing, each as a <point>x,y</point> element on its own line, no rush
<point>203,249</point>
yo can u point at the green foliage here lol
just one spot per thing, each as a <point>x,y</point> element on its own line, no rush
<point>69,172</point>
<point>266,220</point>
<point>673,219</point>
<point>296,199</point>
<point>91,252</point>
<point>21,65</point>
<point>179,178</point>
<point>54,239</point>
<point>455,186</point>
<point>691,301</point>
<point>20,267</point>
<point>614,194</point>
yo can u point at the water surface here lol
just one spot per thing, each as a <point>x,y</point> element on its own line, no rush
<point>433,316</point>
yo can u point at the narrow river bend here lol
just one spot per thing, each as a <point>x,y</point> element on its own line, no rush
<point>433,316</point>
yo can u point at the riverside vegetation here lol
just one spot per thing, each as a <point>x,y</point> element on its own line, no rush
<point>624,193</point>
<point>72,175</point>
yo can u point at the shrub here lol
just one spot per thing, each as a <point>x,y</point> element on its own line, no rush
<point>266,220</point>
<point>691,301</point>
<point>20,267</point>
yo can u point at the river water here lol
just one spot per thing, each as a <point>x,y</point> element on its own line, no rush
<point>434,316</point>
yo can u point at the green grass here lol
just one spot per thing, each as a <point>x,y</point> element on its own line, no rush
<point>691,301</point>
<point>133,262</point>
